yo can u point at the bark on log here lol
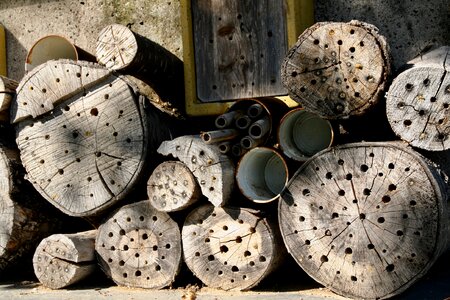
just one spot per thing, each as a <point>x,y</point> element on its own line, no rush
<point>139,246</point>
<point>61,260</point>
<point>87,137</point>
<point>230,248</point>
<point>23,222</point>
<point>418,101</point>
<point>337,69</point>
<point>213,170</point>
<point>366,220</point>
<point>7,93</point>
<point>119,48</point>
<point>172,187</point>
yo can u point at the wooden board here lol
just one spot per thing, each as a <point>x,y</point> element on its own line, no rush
<point>366,220</point>
<point>239,47</point>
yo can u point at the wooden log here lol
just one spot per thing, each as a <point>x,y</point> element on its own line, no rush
<point>337,69</point>
<point>213,170</point>
<point>366,220</point>
<point>230,248</point>
<point>85,138</point>
<point>119,48</point>
<point>23,220</point>
<point>61,260</point>
<point>418,101</point>
<point>139,246</point>
<point>172,187</point>
<point>7,93</point>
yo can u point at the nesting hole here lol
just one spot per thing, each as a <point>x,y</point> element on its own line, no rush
<point>380,220</point>
<point>386,199</point>
<point>364,168</point>
<point>234,269</point>
<point>323,258</point>
<point>390,268</point>
<point>223,249</point>
<point>348,250</point>
<point>366,192</point>
<point>392,187</point>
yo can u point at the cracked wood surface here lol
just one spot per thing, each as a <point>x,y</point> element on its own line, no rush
<point>366,220</point>
<point>213,170</point>
<point>230,248</point>
<point>85,147</point>
<point>64,259</point>
<point>337,69</point>
<point>418,101</point>
<point>139,246</point>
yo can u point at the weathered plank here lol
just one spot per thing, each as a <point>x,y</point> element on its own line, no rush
<point>121,49</point>
<point>418,101</point>
<point>239,47</point>
<point>337,69</point>
<point>89,150</point>
<point>139,246</point>
<point>213,170</point>
<point>61,260</point>
<point>366,220</point>
<point>230,248</point>
<point>172,187</point>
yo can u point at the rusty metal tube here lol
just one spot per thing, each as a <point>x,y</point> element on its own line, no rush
<point>216,136</point>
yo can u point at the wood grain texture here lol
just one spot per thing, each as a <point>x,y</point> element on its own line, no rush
<point>172,187</point>
<point>88,152</point>
<point>7,93</point>
<point>230,248</point>
<point>337,69</point>
<point>418,101</point>
<point>139,246</point>
<point>366,220</point>
<point>61,260</point>
<point>213,170</point>
<point>239,47</point>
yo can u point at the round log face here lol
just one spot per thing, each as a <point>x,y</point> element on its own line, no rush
<point>363,220</point>
<point>336,69</point>
<point>417,107</point>
<point>140,247</point>
<point>227,248</point>
<point>85,154</point>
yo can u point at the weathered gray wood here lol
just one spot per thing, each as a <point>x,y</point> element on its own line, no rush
<point>139,246</point>
<point>23,222</point>
<point>61,260</point>
<point>230,248</point>
<point>88,151</point>
<point>366,220</point>
<point>337,69</point>
<point>172,187</point>
<point>119,48</point>
<point>214,171</point>
<point>7,93</point>
<point>239,47</point>
<point>418,101</point>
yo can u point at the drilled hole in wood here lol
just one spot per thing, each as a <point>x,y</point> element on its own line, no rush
<point>329,175</point>
<point>44,90</point>
<point>61,171</point>
<point>110,234</point>
<point>392,187</point>
<point>352,49</point>
<point>412,202</point>
<point>341,193</point>
<point>421,112</point>
<point>391,166</point>
<point>339,42</point>
<point>361,44</point>
<point>307,242</point>
<point>426,82</point>
<point>302,219</point>
<point>294,74</point>
<point>441,136</point>
<point>94,112</point>
<point>128,219</point>
<point>125,275</point>
<point>89,179</point>
<point>390,268</point>
<point>223,249</point>
<point>380,220</point>
<point>207,240</point>
<point>407,122</point>
<point>306,192</point>
<point>137,273</point>
<point>409,86</point>
<point>157,268</point>
<point>446,105</point>
<point>348,250</point>
<point>112,248</point>
<point>210,257</point>
<point>316,42</point>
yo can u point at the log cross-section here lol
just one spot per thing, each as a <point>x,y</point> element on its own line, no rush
<point>418,101</point>
<point>337,69</point>
<point>83,152</point>
<point>230,248</point>
<point>64,259</point>
<point>366,220</point>
<point>214,171</point>
<point>139,246</point>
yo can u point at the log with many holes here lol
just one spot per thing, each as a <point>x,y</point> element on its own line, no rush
<point>230,248</point>
<point>23,221</point>
<point>418,101</point>
<point>337,69</point>
<point>64,259</point>
<point>119,48</point>
<point>366,220</point>
<point>83,135</point>
<point>172,187</point>
<point>139,246</point>
<point>214,171</point>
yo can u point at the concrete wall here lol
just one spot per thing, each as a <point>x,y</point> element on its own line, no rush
<point>409,25</point>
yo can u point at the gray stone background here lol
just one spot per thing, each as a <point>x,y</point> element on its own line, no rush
<point>410,26</point>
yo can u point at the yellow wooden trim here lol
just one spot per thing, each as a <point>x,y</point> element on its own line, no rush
<point>299,16</point>
<point>3,70</point>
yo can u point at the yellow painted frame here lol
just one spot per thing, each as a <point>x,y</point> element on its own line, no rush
<point>299,16</point>
<point>3,70</point>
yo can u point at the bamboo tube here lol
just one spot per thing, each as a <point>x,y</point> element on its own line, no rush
<point>259,128</point>
<point>247,142</point>
<point>243,122</point>
<point>255,110</point>
<point>227,119</point>
<point>216,136</point>
<point>224,147</point>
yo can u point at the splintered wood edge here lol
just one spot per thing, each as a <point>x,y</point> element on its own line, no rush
<point>219,187</point>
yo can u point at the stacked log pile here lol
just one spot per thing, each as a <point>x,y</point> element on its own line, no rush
<point>365,219</point>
